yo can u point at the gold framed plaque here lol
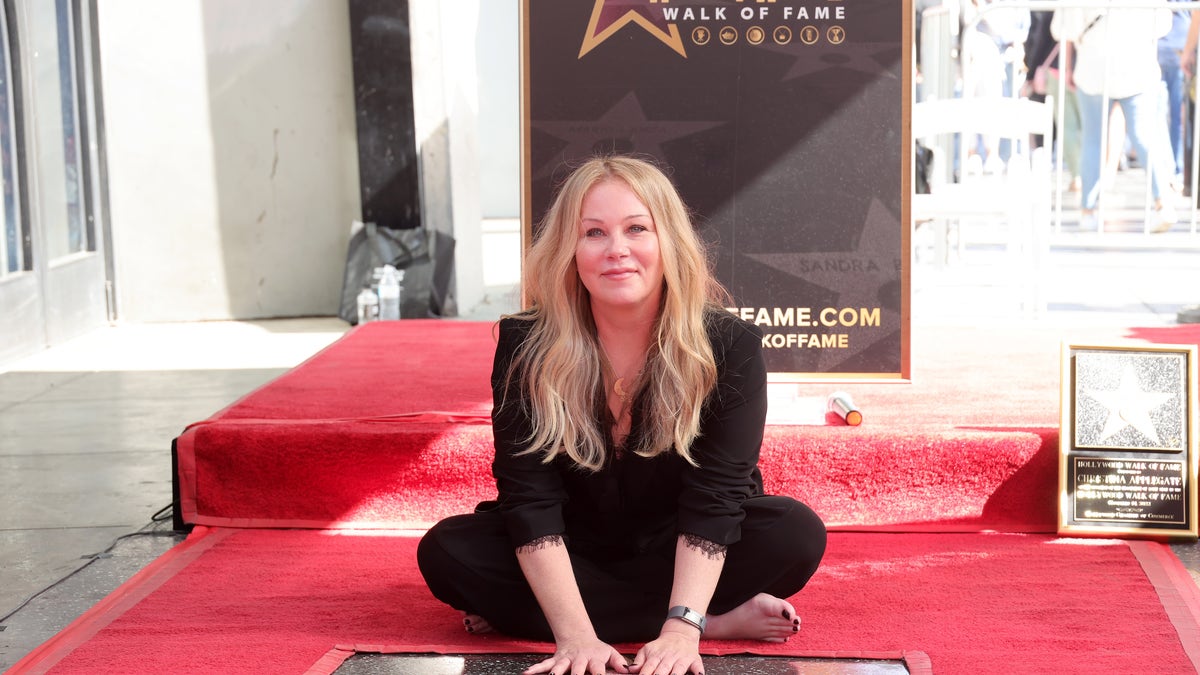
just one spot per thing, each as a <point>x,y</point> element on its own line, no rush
<point>1127,442</point>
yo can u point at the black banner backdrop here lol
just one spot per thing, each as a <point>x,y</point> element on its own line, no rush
<point>784,124</point>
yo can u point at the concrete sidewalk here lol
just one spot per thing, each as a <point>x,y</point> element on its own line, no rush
<point>1119,276</point>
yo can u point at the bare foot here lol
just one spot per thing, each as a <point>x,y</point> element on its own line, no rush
<point>763,617</point>
<point>474,623</point>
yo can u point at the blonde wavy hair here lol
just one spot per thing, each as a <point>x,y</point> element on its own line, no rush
<point>559,365</point>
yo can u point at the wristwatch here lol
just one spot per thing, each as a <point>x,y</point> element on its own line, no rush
<point>689,615</point>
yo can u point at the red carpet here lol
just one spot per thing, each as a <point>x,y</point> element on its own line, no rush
<point>280,601</point>
<point>387,429</point>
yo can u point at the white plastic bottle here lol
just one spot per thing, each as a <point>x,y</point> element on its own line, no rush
<point>368,306</point>
<point>389,294</point>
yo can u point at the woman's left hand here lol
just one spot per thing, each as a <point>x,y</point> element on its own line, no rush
<point>675,652</point>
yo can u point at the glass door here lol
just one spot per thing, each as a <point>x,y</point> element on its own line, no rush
<point>54,275</point>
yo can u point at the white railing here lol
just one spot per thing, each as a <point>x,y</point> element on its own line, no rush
<point>943,69</point>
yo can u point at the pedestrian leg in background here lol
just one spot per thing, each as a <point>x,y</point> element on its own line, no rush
<point>1148,135</point>
<point>1091,134</point>
<point>1070,132</point>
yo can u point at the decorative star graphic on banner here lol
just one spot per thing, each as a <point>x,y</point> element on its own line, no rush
<point>1129,406</point>
<point>610,16</point>
<point>625,121</point>
<point>856,56</point>
<point>878,246</point>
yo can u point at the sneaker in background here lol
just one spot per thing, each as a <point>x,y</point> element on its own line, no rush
<point>1163,220</point>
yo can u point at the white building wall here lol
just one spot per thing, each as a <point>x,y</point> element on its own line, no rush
<point>231,156</point>
<point>499,59</point>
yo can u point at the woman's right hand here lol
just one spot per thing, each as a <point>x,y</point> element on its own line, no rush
<point>581,657</point>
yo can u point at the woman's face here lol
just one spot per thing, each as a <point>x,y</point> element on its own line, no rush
<point>617,253</point>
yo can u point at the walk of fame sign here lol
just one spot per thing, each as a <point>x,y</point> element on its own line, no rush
<point>1127,445</point>
<point>784,125</point>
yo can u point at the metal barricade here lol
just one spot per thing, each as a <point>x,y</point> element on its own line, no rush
<point>943,69</point>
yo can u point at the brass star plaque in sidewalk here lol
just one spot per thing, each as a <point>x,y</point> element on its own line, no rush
<point>1127,445</point>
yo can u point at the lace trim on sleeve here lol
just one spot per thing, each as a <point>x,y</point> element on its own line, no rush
<point>712,549</point>
<point>548,541</point>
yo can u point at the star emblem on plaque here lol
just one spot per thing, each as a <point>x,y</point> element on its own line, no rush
<point>1127,446</point>
<point>1129,400</point>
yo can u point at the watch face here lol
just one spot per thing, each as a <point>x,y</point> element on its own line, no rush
<point>689,615</point>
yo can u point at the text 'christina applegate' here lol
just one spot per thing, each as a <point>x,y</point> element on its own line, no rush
<point>1128,447</point>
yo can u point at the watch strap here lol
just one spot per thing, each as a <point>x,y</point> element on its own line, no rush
<point>688,615</point>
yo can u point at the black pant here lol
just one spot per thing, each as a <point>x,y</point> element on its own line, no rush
<point>469,563</point>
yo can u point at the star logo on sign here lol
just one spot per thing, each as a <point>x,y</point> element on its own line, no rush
<point>861,57</point>
<point>1129,406</point>
<point>625,121</point>
<point>610,16</point>
<point>856,288</point>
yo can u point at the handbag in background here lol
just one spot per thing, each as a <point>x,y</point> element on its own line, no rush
<point>371,247</point>
<point>1041,73</point>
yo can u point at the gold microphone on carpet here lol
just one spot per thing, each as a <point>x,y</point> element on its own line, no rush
<point>841,403</point>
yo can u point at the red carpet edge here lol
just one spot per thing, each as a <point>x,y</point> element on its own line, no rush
<point>1178,594</point>
<point>128,594</point>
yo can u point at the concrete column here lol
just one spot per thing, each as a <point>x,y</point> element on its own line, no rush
<point>446,117</point>
<point>231,156</point>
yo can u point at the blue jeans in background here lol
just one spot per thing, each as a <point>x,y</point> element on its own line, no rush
<point>1147,133</point>
<point>1172,76</point>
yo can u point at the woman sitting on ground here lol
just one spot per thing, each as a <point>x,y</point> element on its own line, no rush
<point>628,413</point>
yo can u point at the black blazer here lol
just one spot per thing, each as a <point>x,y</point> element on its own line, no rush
<point>633,503</point>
